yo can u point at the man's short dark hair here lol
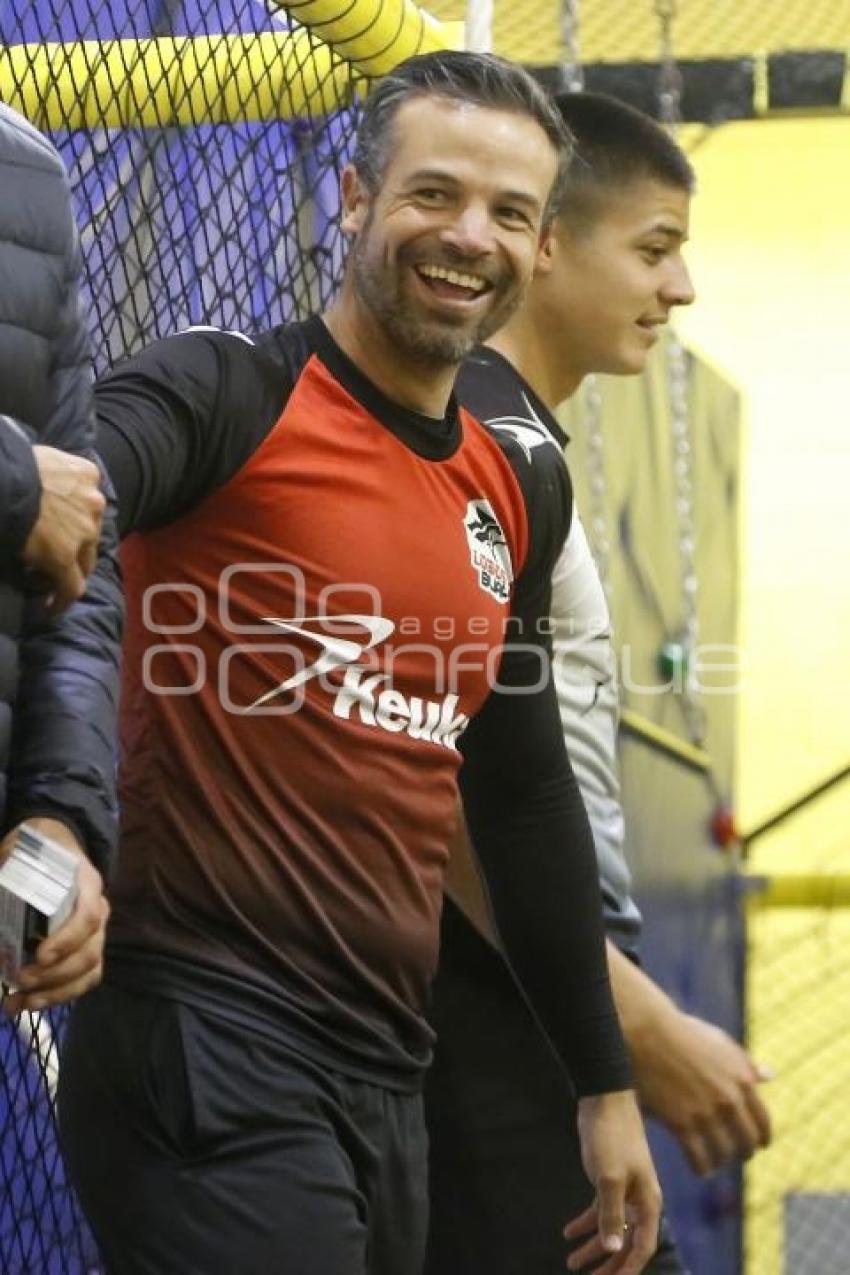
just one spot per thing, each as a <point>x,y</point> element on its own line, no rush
<point>615,145</point>
<point>479,78</point>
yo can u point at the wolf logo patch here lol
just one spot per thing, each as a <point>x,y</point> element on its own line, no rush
<point>488,550</point>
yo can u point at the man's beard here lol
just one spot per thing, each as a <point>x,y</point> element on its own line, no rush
<point>425,340</point>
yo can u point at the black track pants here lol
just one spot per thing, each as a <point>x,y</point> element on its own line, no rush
<point>198,1151</point>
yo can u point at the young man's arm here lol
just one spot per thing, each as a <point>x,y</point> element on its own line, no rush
<point>584,672</point>
<point>690,1074</point>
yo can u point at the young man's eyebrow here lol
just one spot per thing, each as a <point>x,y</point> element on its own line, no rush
<point>664,228</point>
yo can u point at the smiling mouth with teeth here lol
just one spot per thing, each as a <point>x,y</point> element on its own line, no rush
<point>448,282</point>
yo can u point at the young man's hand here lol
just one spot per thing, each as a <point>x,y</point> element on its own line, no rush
<point>69,962</point>
<point>62,545</point>
<point>703,1086</point>
<point>690,1074</point>
<point>622,1222</point>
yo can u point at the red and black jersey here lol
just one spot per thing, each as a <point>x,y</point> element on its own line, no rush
<point>323,589</point>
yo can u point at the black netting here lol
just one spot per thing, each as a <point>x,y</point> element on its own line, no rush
<point>204,151</point>
<point>41,1227</point>
<point>222,208</point>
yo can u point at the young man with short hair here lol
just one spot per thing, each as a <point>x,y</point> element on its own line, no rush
<point>310,506</point>
<point>506,1168</point>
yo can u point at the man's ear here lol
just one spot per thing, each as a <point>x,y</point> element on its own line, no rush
<point>355,202</point>
<point>546,251</point>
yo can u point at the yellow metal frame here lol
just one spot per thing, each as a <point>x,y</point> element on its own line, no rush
<point>800,890</point>
<point>664,740</point>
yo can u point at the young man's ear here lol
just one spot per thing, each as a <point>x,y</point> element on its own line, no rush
<point>355,202</point>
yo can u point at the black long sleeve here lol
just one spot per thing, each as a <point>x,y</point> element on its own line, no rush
<point>179,419</point>
<point>534,843</point>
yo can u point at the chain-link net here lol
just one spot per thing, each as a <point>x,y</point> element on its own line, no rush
<point>41,1228</point>
<point>216,200</point>
<point>798,992</point>
<point>205,143</point>
<point>737,61</point>
<point>625,30</point>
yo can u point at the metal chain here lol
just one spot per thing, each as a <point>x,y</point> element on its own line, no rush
<point>572,72</point>
<point>598,524</point>
<point>670,82</point>
<point>678,373</point>
<point>678,378</point>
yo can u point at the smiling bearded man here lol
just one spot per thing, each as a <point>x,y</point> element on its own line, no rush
<point>443,291</point>
<point>290,772</point>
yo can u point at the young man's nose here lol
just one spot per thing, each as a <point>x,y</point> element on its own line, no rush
<point>678,287</point>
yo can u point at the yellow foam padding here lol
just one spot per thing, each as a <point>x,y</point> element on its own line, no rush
<point>375,35</point>
<point>173,81</point>
<point>218,79</point>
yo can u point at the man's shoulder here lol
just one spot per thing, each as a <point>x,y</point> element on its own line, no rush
<point>498,396</point>
<point>206,359</point>
<point>488,383</point>
<point>285,340</point>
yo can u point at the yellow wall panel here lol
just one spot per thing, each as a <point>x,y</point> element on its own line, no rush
<point>771,262</point>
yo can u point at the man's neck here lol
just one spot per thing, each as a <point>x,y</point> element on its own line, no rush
<point>538,356</point>
<point>413,385</point>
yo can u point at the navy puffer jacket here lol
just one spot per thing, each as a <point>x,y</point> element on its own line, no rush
<point>58,678</point>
